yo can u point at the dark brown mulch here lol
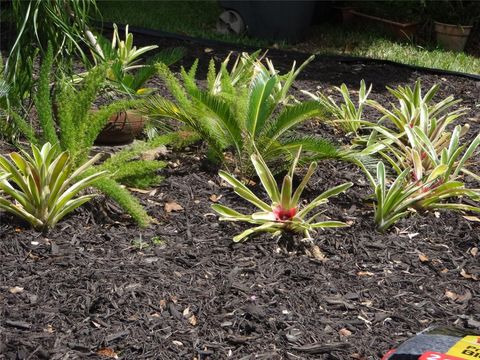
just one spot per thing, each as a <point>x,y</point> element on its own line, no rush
<point>182,289</point>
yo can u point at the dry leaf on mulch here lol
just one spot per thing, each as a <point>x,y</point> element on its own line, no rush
<point>172,206</point>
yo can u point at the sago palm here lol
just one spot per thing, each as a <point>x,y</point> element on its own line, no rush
<point>246,108</point>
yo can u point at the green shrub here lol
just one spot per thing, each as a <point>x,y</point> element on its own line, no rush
<point>242,111</point>
<point>78,126</point>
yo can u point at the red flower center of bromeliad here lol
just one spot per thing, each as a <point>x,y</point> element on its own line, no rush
<point>282,214</point>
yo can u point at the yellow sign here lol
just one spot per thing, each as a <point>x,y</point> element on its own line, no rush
<point>468,348</point>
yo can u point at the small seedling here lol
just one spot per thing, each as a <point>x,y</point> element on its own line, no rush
<point>158,241</point>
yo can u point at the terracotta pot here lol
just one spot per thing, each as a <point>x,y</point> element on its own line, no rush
<point>452,37</point>
<point>401,31</point>
<point>121,128</point>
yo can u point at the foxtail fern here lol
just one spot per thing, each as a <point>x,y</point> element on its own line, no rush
<point>43,102</point>
<point>124,198</point>
<point>127,169</point>
<point>78,126</point>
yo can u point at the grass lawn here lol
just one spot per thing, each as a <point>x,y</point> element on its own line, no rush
<point>192,18</point>
<point>198,18</point>
<point>328,39</point>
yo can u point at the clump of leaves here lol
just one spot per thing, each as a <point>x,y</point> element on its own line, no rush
<point>119,51</point>
<point>347,116</point>
<point>428,159</point>
<point>125,71</point>
<point>43,187</point>
<point>78,125</point>
<point>420,139</point>
<point>416,110</point>
<point>242,111</point>
<point>283,212</point>
<point>433,192</point>
<point>128,167</point>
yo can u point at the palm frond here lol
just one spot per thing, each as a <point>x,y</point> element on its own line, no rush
<point>226,120</point>
<point>289,117</point>
<point>168,56</point>
<point>314,148</point>
<point>259,107</point>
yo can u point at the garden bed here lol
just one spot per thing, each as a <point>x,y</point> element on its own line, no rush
<point>182,289</point>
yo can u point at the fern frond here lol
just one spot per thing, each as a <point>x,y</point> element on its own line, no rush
<point>225,120</point>
<point>138,173</point>
<point>198,120</point>
<point>124,199</point>
<point>159,108</point>
<point>192,72</point>
<point>43,102</point>
<point>94,124</point>
<point>173,85</point>
<point>168,56</point>
<point>25,128</point>
<point>188,80</point>
<point>141,76</point>
<point>211,76</point>
<point>87,94</point>
<point>226,82</point>
<point>66,115</point>
<point>135,150</point>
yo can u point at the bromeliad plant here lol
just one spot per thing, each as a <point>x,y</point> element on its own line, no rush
<point>119,51</point>
<point>125,71</point>
<point>415,110</point>
<point>78,126</point>
<point>421,156</point>
<point>404,195</point>
<point>284,212</point>
<point>429,161</point>
<point>348,115</point>
<point>395,201</point>
<point>419,138</point>
<point>42,188</point>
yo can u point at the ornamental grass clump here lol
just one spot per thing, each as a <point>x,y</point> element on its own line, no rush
<point>42,188</point>
<point>284,211</point>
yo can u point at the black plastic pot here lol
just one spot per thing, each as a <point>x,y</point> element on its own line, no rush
<point>274,20</point>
